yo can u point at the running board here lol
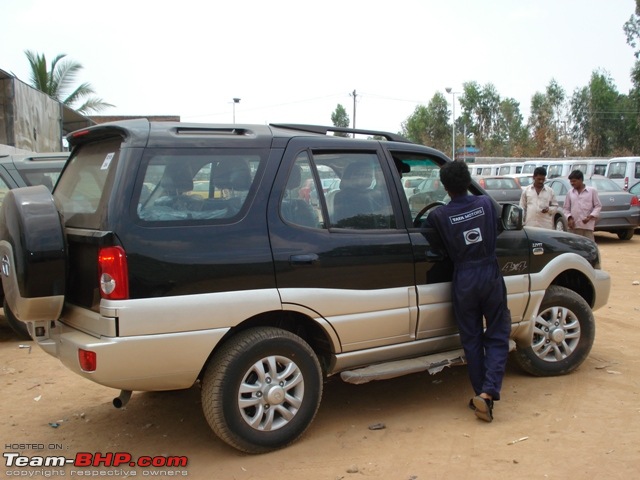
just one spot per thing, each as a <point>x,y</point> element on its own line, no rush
<point>383,371</point>
<point>432,363</point>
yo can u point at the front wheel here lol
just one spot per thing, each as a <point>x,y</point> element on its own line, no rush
<point>262,389</point>
<point>563,334</point>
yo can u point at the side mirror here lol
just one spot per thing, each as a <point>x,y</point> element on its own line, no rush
<point>511,217</point>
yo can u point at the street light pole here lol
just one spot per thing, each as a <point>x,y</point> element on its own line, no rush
<point>453,121</point>
<point>235,100</point>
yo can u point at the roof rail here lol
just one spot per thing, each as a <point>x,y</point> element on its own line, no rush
<point>322,130</point>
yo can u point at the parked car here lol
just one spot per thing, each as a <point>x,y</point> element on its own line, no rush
<point>502,188</point>
<point>409,183</point>
<point>523,179</point>
<point>24,170</point>
<point>430,190</point>
<point>254,294</point>
<point>620,210</point>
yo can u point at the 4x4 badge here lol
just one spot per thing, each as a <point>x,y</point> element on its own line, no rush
<point>6,265</point>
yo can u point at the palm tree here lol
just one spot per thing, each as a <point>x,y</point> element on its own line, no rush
<point>58,81</point>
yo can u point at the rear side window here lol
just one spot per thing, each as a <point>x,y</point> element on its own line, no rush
<point>80,190</point>
<point>192,185</point>
<point>4,188</point>
<point>46,177</point>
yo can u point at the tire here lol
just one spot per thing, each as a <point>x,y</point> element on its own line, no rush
<point>242,404</point>
<point>19,328</point>
<point>560,224</point>
<point>563,335</point>
<point>32,254</point>
<point>625,234</point>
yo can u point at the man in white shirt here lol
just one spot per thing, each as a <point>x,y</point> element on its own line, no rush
<point>539,202</point>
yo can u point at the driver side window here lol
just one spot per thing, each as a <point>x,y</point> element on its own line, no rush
<point>420,182</point>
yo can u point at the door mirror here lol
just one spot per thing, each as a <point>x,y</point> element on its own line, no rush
<point>511,217</point>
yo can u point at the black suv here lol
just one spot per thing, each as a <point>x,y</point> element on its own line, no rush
<point>23,170</point>
<point>171,254</point>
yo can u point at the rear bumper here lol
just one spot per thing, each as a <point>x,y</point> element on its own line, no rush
<point>145,362</point>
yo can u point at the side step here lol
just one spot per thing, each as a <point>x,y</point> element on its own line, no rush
<point>383,371</point>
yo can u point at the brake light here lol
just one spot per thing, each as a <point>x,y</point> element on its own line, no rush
<point>114,274</point>
<point>79,133</point>
<point>88,360</point>
<point>626,183</point>
<point>635,202</point>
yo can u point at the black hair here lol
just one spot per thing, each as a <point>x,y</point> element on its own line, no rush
<point>540,171</point>
<point>455,177</point>
<point>576,174</point>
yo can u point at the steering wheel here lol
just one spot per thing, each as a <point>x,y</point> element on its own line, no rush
<point>417,221</point>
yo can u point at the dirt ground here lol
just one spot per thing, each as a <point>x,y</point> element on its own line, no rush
<point>581,426</point>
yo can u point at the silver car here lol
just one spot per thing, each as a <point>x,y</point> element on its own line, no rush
<point>620,210</point>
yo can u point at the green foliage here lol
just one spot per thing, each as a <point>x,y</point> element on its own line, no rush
<point>57,82</point>
<point>430,125</point>
<point>340,118</point>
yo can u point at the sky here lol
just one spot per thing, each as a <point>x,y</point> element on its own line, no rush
<point>295,61</point>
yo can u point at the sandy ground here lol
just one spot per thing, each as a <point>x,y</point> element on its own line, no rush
<point>581,426</point>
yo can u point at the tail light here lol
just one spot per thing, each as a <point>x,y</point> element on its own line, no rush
<point>626,183</point>
<point>635,202</point>
<point>114,274</point>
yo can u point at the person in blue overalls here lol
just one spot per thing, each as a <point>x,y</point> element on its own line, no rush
<point>468,226</point>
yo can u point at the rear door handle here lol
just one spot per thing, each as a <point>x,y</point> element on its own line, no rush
<point>304,259</point>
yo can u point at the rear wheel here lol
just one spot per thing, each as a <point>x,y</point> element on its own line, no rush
<point>625,234</point>
<point>262,389</point>
<point>563,334</point>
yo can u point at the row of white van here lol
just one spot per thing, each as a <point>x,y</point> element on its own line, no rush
<point>625,171</point>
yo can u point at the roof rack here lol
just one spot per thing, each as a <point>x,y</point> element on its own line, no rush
<point>323,130</point>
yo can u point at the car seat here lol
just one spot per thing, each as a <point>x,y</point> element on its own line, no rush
<point>354,200</point>
<point>294,209</point>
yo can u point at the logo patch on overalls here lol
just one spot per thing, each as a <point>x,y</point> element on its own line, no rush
<point>472,236</point>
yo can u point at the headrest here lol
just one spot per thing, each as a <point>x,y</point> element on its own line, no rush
<point>232,174</point>
<point>357,176</point>
<point>177,178</point>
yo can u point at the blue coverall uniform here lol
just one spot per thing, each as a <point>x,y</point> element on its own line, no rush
<point>468,226</point>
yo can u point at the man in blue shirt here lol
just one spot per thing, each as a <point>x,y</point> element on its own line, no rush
<point>469,226</point>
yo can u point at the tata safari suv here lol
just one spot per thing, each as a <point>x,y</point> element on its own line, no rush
<point>177,254</point>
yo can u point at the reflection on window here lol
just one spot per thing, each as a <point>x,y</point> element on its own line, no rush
<point>300,203</point>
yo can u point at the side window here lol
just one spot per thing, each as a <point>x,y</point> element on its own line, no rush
<point>360,199</point>
<point>182,186</point>
<point>4,188</point>
<point>300,203</point>
<point>599,169</point>
<point>637,172</point>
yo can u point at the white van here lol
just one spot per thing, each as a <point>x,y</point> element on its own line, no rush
<point>530,165</point>
<point>625,171</point>
<point>509,168</point>
<point>559,168</point>
<point>594,166</point>
<point>479,169</point>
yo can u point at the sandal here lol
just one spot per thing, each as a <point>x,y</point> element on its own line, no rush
<point>483,408</point>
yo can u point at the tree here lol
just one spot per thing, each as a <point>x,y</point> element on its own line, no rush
<point>430,125</point>
<point>57,82</point>
<point>548,121</point>
<point>340,118</point>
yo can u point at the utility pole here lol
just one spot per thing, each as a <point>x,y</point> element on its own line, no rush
<point>354,95</point>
